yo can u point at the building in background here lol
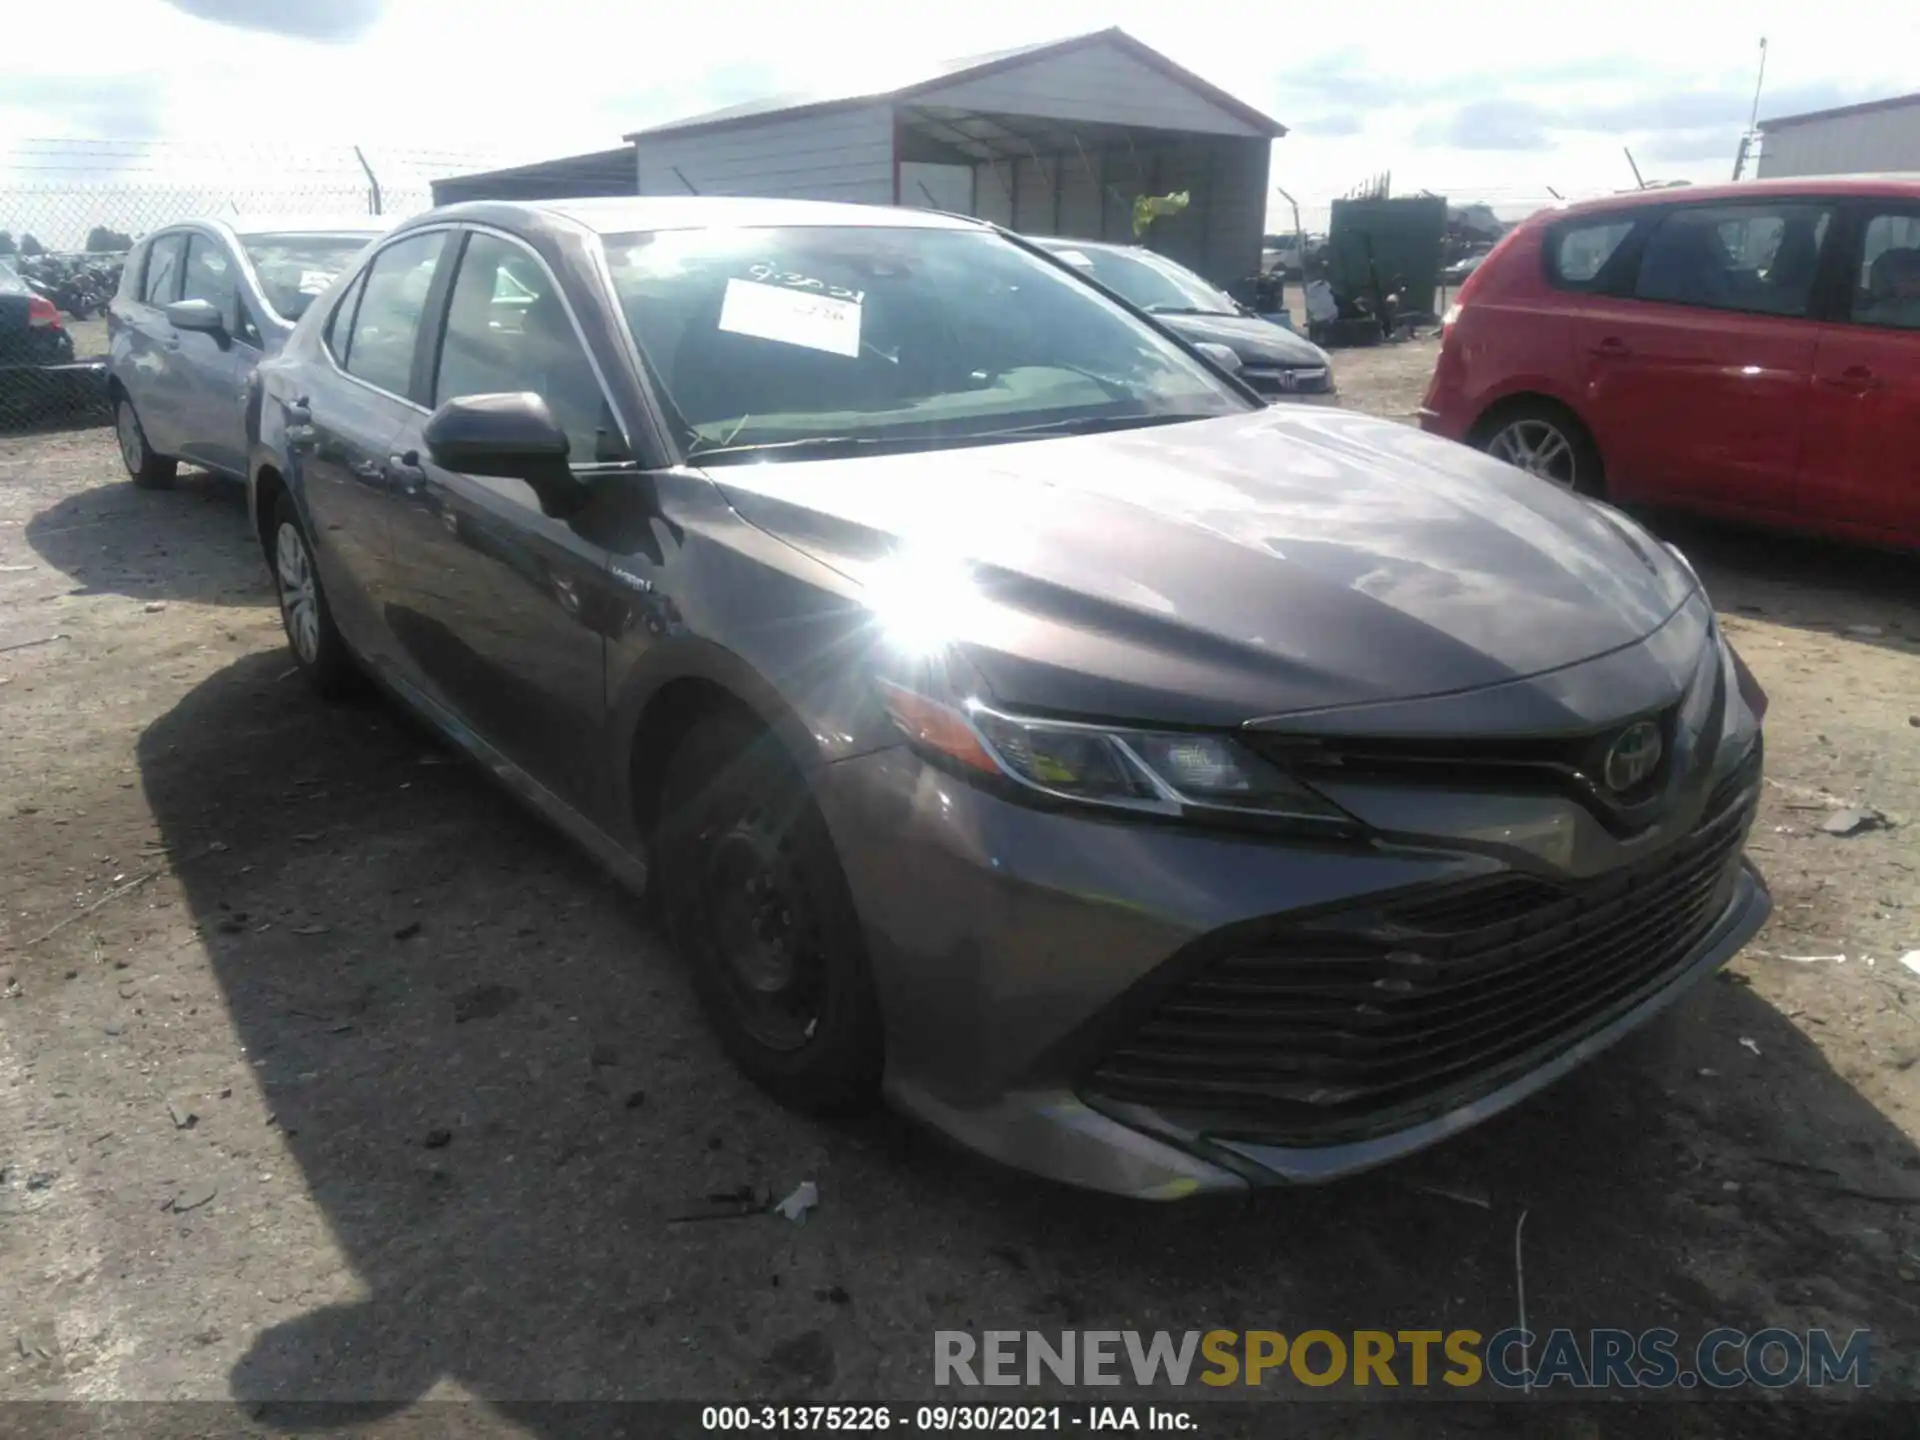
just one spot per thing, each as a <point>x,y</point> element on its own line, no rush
<point>1880,135</point>
<point>604,172</point>
<point>1051,139</point>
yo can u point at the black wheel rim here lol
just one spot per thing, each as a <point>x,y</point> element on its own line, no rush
<point>761,928</point>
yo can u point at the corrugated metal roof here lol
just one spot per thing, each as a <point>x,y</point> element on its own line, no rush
<point>1867,107</point>
<point>591,160</point>
<point>947,72</point>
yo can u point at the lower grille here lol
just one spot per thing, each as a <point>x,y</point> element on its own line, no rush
<point>1364,1022</point>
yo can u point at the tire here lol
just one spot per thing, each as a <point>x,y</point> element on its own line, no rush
<point>304,613</point>
<point>146,469</point>
<point>756,903</point>
<point>1545,440</point>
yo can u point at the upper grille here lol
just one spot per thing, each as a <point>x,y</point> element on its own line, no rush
<point>1564,765</point>
<point>1364,1022</point>
<point>1278,380</point>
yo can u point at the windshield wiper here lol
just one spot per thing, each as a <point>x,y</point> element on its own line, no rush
<point>1188,310</point>
<point>1087,425</point>
<point>829,447</point>
<point>822,447</point>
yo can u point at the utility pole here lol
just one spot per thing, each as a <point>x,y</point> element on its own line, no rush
<point>1753,117</point>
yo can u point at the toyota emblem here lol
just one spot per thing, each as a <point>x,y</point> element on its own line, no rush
<point>1633,757</point>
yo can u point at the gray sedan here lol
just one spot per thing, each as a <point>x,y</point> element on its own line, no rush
<point>1011,714</point>
<point>199,305</point>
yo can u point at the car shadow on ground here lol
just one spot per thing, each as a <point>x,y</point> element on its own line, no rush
<point>502,1100</point>
<point>1864,594</point>
<point>190,542</point>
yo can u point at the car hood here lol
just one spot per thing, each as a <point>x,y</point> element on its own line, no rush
<point>1216,571</point>
<point>1255,341</point>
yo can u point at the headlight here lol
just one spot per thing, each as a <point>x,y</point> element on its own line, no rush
<point>1149,771</point>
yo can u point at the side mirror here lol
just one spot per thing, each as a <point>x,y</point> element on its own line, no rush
<point>1225,356</point>
<point>201,315</point>
<point>511,436</point>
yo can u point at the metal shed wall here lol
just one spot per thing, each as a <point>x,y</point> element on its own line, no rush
<point>1869,140</point>
<point>840,154</point>
<point>1098,83</point>
<point>1089,195</point>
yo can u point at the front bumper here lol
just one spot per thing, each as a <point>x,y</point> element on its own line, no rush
<point>1017,951</point>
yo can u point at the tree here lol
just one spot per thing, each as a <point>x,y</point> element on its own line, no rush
<point>102,239</point>
<point>31,246</point>
<point>7,247</point>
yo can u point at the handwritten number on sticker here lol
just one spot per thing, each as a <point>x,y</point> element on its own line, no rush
<point>768,274</point>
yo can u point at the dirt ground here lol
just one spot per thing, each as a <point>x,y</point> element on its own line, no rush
<point>327,1073</point>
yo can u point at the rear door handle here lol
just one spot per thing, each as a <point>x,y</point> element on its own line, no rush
<point>1857,378</point>
<point>1611,348</point>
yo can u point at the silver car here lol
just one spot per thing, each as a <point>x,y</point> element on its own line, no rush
<point>200,304</point>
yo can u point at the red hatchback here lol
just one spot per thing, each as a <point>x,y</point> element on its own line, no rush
<point>1743,350</point>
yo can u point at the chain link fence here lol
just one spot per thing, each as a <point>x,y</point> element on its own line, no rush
<point>70,211</point>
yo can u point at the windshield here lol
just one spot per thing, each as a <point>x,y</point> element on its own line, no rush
<point>10,278</point>
<point>1149,280</point>
<point>861,335</point>
<point>294,269</point>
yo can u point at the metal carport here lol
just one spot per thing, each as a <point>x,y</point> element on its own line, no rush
<point>1051,139</point>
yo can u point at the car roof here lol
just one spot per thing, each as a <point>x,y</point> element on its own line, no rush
<point>292,224</point>
<point>1901,184</point>
<point>615,214</point>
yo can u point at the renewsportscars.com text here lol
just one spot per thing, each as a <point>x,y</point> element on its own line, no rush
<point>1515,1359</point>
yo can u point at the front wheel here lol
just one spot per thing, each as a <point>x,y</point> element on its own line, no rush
<point>316,644</point>
<point>146,469</point>
<point>757,904</point>
<point>1547,443</point>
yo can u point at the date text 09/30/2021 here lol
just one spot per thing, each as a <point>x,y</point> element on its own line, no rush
<point>946,1419</point>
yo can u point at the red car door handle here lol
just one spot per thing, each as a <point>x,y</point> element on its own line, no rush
<point>1611,348</point>
<point>1855,377</point>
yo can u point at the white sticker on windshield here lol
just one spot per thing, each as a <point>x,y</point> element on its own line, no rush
<point>1075,257</point>
<point>314,282</point>
<point>792,317</point>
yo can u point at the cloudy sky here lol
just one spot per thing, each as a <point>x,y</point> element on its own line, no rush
<point>1491,100</point>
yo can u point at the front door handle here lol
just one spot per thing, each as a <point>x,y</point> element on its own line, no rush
<point>1857,378</point>
<point>404,472</point>
<point>1611,348</point>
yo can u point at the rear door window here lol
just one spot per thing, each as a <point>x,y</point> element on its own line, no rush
<point>340,323</point>
<point>386,326</point>
<point>1886,281</point>
<point>164,259</point>
<point>1759,258</point>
